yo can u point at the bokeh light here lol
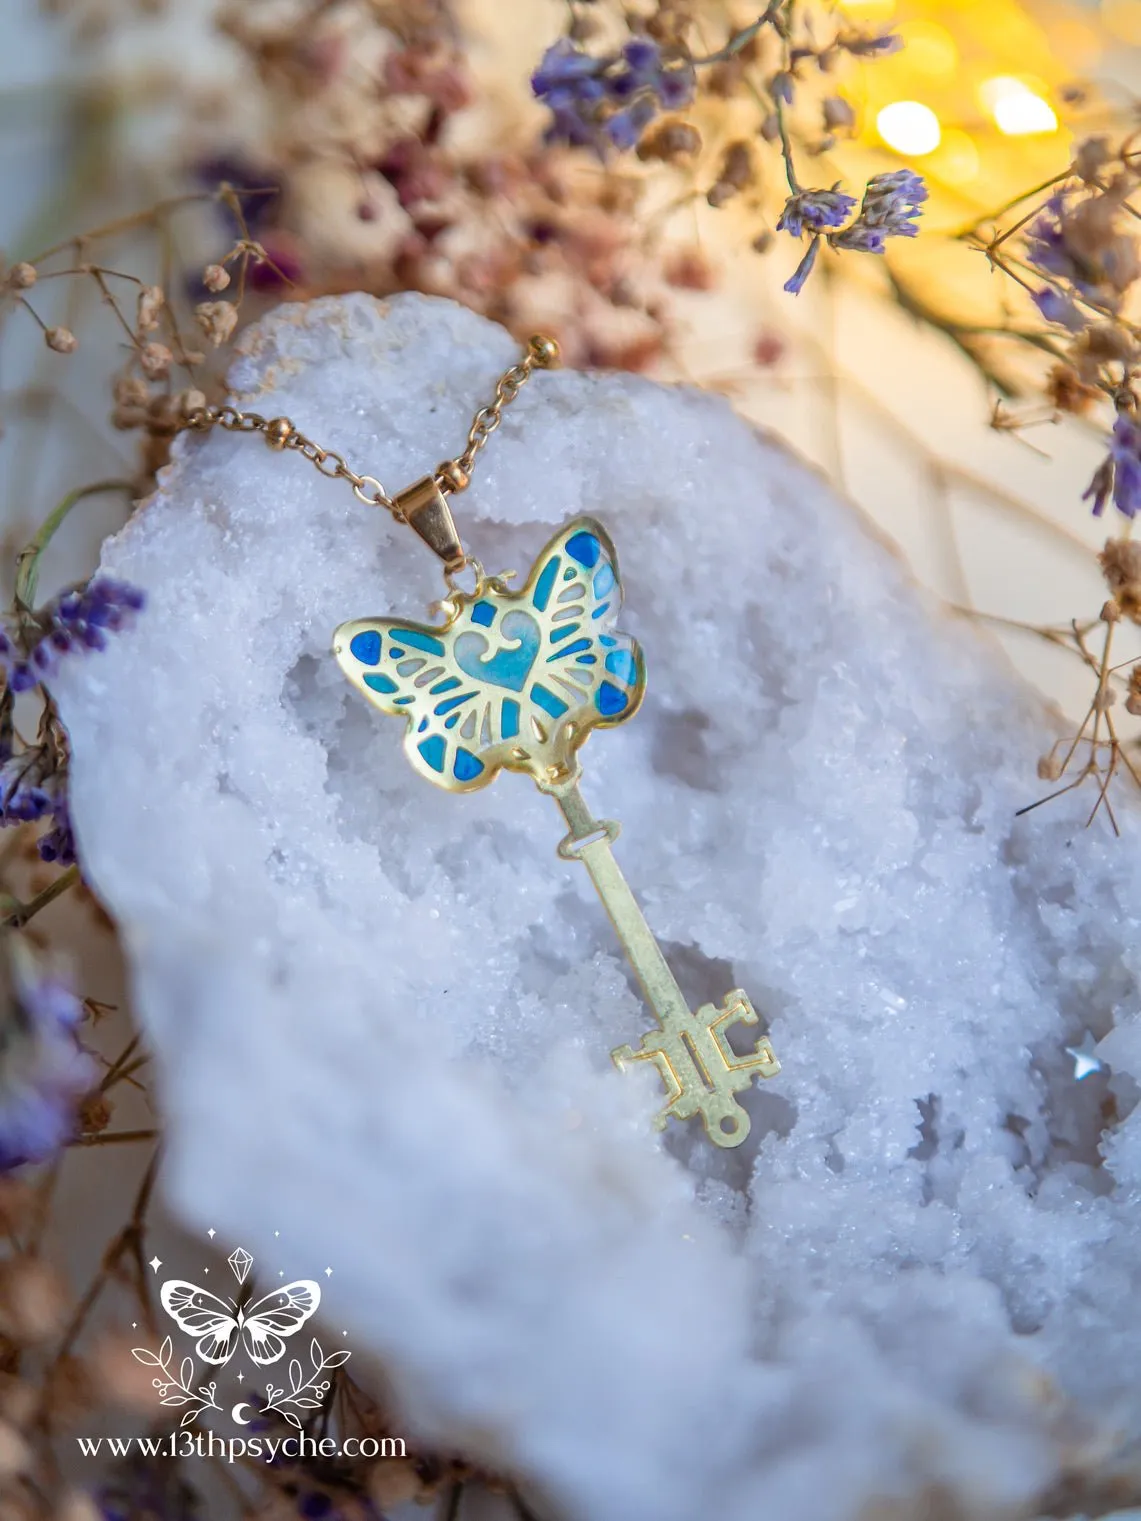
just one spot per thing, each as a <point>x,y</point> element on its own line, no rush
<point>909,127</point>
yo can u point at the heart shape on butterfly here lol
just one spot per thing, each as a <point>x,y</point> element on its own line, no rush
<point>511,680</point>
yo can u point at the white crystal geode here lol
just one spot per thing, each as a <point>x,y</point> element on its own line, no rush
<point>382,1014</point>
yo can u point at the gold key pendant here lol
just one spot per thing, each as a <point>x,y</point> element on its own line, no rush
<point>516,681</point>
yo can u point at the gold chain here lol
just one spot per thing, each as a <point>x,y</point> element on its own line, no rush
<point>450,476</point>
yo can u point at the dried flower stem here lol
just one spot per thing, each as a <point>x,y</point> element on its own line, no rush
<point>28,561</point>
<point>19,915</point>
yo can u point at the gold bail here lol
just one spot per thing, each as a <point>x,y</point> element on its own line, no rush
<point>425,507</point>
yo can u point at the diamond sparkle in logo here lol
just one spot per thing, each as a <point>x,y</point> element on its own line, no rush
<point>240,1262</point>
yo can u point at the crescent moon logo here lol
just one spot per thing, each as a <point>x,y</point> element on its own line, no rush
<point>236,1413</point>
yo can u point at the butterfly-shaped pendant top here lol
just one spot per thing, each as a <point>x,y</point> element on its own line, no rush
<point>512,679</point>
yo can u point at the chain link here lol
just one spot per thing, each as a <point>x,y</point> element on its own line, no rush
<point>450,476</point>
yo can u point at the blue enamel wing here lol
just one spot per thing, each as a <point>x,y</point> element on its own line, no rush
<point>512,680</point>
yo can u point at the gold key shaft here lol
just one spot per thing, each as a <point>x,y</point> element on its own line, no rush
<point>700,1070</point>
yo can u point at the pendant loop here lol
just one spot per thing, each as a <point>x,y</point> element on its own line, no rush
<point>425,508</point>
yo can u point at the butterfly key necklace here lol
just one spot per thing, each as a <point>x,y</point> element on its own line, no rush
<point>516,681</point>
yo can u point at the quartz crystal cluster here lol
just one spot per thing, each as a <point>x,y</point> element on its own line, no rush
<point>382,1014</point>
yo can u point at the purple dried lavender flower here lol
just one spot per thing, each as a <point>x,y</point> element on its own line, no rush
<point>1119,474</point>
<point>861,45</point>
<point>57,844</point>
<point>608,102</point>
<point>44,1072</point>
<point>675,87</point>
<point>892,201</point>
<point>889,209</point>
<point>82,619</point>
<point>26,790</point>
<point>815,211</point>
<point>1046,240</point>
<point>562,66</point>
<point>624,128</point>
<point>795,284</point>
<point>860,238</point>
<point>1059,308</point>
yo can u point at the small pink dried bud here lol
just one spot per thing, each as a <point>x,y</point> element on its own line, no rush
<point>689,269</point>
<point>15,1454</point>
<point>217,319</point>
<point>95,1113</point>
<point>215,277</point>
<point>77,1506</point>
<point>838,113</point>
<point>22,276</point>
<point>190,402</point>
<point>1091,157</point>
<point>1110,612</point>
<point>130,391</point>
<point>19,1400</point>
<point>669,142</point>
<point>152,299</point>
<point>394,1482</point>
<point>123,1380</point>
<point>155,359</point>
<point>1049,768</point>
<point>721,193</point>
<point>1104,698</point>
<point>32,1300</point>
<point>737,165</point>
<point>61,339</point>
<point>1133,704</point>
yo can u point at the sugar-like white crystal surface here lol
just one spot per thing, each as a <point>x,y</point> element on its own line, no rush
<point>382,1013</point>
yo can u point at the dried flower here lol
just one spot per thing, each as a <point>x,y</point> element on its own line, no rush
<point>689,269</point>
<point>44,1072</point>
<point>865,45</point>
<point>608,102</point>
<point>890,209</point>
<point>77,1505</point>
<point>155,359</point>
<point>61,339</point>
<point>217,319</point>
<point>394,1482</point>
<point>82,618</point>
<point>152,300</point>
<point>1079,240</point>
<point>1119,473</point>
<point>21,276</point>
<point>15,1454</point>
<point>815,211</point>
<point>215,277</point>
<point>1068,392</point>
<point>1058,308</point>
<point>795,283</point>
<point>1133,696</point>
<point>1090,158</point>
<point>1120,562</point>
<point>670,141</point>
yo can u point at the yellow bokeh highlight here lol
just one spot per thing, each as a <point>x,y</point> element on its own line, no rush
<point>929,49</point>
<point>957,159</point>
<point>909,127</point>
<point>1018,109</point>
